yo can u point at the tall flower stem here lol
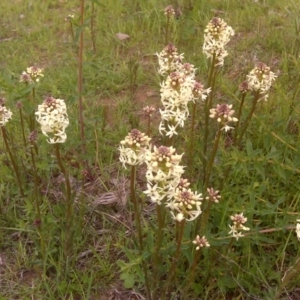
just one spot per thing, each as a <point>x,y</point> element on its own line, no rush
<point>23,129</point>
<point>229,246</point>
<point>167,30</point>
<point>69,204</point>
<point>246,124</point>
<point>171,274</point>
<point>137,219</point>
<point>212,157</point>
<point>32,115</point>
<point>148,125</point>
<point>80,82</point>
<point>15,166</point>
<point>160,211</point>
<point>191,141</point>
<point>207,175</point>
<point>239,117</point>
<point>191,273</point>
<point>208,104</point>
<point>37,207</point>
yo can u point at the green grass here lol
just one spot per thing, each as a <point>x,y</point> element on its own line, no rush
<point>120,78</point>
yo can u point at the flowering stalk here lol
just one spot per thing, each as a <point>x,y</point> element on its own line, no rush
<point>69,203</point>
<point>191,144</point>
<point>207,107</point>
<point>80,83</point>
<point>160,211</point>
<point>32,139</point>
<point>259,80</point>
<point>180,225</point>
<point>15,167</point>
<point>148,111</point>
<point>169,12</point>
<point>200,243</point>
<point>244,89</point>
<point>132,152</point>
<point>137,218</point>
<point>247,121</point>
<point>199,93</point>
<point>19,106</point>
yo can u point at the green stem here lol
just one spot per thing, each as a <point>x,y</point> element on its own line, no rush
<point>148,125</point>
<point>246,124</point>
<point>175,259</point>
<point>229,246</point>
<point>37,206</point>
<point>203,219</point>
<point>167,31</point>
<point>15,167</point>
<point>191,272</point>
<point>137,219</point>
<point>156,257</point>
<point>69,204</point>
<point>191,141</point>
<point>207,107</point>
<point>23,130</point>
<point>212,158</point>
<point>239,117</point>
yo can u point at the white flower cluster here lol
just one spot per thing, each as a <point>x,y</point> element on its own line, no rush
<point>176,92</point>
<point>201,242</point>
<point>169,60</point>
<point>223,113</point>
<point>298,230</point>
<point>133,148</point>
<point>5,115</point>
<point>53,117</point>
<point>165,184</point>
<point>216,35</point>
<point>31,75</point>
<point>163,173</point>
<point>238,226</point>
<point>260,79</point>
<point>185,204</point>
<point>199,92</point>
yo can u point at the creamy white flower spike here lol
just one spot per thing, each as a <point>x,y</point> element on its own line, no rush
<point>53,117</point>
<point>5,115</point>
<point>260,79</point>
<point>163,173</point>
<point>31,75</point>
<point>185,204</point>
<point>223,113</point>
<point>216,35</point>
<point>201,242</point>
<point>169,60</point>
<point>176,92</point>
<point>133,148</point>
<point>236,230</point>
